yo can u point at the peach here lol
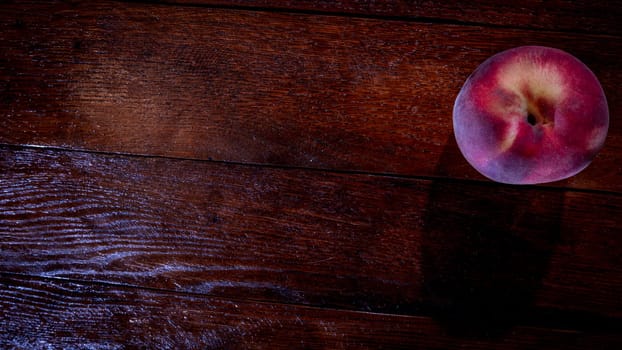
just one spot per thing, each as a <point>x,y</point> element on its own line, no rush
<point>531,115</point>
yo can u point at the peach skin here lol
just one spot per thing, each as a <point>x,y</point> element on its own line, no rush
<point>530,115</point>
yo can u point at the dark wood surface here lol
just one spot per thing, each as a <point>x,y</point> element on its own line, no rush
<point>282,89</point>
<point>67,313</point>
<point>357,241</point>
<point>575,16</point>
<point>202,174</point>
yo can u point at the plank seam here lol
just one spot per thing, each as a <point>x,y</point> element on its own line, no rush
<point>310,169</point>
<point>406,18</point>
<point>550,319</point>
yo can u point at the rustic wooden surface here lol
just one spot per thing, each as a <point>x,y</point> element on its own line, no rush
<point>575,16</point>
<point>282,89</point>
<point>233,175</point>
<point>69,314</point>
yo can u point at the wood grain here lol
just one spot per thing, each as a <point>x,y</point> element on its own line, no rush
<point>43,314</point>
<point>479,255</point>
<point>283,89</point>
<point>580,16</point>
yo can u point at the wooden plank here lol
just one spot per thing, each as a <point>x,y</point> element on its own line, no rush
<point>271,88</point>
<point>580,16</point>
<point>311,237</point>
<point>42,314</point>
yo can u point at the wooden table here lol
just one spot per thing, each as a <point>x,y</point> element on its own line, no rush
<point>209,174</point>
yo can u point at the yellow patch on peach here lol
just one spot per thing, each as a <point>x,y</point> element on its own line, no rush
<point>509,137</point>
<point>532,79</point>
<point>507,111</point>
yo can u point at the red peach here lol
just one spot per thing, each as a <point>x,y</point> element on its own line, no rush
<point>530,115</point>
